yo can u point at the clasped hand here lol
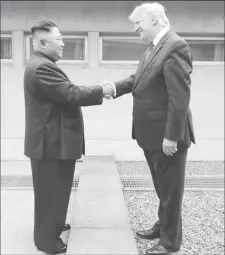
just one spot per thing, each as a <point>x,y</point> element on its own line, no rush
<point>108,89</point>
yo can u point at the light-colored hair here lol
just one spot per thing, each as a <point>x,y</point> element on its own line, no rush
<point>154,8</point>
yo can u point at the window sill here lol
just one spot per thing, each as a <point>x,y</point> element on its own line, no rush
<point>208,63</point>
<point>118,64</point>
<point>6,61</point>
<point>73,63</point>
<point>134,64</point>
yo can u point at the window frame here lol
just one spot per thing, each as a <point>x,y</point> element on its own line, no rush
<point>8,36</point>
<point>64,61</point>
<point>127,62</point>
<point>205,38</point>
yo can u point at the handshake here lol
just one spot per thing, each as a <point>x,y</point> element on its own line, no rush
<point>109,89</point>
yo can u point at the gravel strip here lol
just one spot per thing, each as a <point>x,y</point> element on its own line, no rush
<point>203,220</point>
<point>192,168</point>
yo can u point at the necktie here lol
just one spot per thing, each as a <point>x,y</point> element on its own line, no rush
<point>149,50</point>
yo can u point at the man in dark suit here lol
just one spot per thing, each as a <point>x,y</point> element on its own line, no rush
<point>162,122</point>
<point>54,133</point>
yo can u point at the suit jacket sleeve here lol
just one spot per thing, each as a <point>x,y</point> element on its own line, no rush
<point>59,89</point>
<point>124,86</point>
<point>177,70</point>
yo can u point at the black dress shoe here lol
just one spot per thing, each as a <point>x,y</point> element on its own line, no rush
<point>157,250</point>
<point>61,250</point>
<point>149,234</point>
<point>66,227</point>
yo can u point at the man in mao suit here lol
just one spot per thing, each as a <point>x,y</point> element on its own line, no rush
<point>54,133</point>
<point>162,122</point>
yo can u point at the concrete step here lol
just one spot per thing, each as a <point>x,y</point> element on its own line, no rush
<point>100,220</point>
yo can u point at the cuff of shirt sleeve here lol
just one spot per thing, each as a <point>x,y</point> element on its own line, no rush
<point>114,87</point>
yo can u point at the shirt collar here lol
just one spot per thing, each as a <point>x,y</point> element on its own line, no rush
<point>160,35</point>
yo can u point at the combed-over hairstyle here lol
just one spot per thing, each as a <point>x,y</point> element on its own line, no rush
<point>43,26</point>
<point>154,8</point>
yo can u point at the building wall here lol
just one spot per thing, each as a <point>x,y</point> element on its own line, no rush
<point>185,16</point>
<point>108,127</point>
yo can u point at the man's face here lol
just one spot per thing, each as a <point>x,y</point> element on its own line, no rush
<point>54,44</point>
<point>144,27</point>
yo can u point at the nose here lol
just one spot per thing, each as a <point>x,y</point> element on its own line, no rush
<point>62,44</point>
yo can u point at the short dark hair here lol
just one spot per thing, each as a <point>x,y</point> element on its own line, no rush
<point>43,26</point>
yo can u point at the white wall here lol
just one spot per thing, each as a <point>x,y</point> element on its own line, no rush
<point>108,127</point>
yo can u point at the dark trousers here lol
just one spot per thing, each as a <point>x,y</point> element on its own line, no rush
<point>168,174</point>
<point>52,182</point>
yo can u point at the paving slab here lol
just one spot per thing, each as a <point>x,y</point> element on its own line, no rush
<point>100,182</point>
<point>99,208</point>
<point>100,220</point>
<point>17,214</point>
<point>108,241</point>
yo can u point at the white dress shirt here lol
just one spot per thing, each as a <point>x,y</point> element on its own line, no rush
<point>160,35</point>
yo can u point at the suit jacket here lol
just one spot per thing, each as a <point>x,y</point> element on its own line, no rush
<point>161,94</point>
<point>54,126</point>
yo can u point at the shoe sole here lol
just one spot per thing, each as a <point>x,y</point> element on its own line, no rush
<point>148,238</point>
<point>169,253</point>
<point>46,253</point>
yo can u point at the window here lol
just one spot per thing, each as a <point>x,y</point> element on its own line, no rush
<point>206,49</point>
<point>128,49</point>
<point>122,49</point>
<point>75,49</point>
<point>6,47</point>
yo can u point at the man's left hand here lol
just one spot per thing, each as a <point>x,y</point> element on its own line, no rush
<point>169,147</point>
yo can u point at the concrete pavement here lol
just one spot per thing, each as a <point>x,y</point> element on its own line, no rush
<point>97,213</point>
<point>100,221</point>
<point>17,216</point>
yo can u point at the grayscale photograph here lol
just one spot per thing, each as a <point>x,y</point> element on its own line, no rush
<point>112,127</point>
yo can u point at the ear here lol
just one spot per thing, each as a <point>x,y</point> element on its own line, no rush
<point>42,42</point>
<point>154,20</point>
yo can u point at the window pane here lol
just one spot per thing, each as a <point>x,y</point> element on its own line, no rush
<point>219,51</point>
<point>6,48</point>
<point>207,50</point>
<point>122,49</point>
<point>74,48</point>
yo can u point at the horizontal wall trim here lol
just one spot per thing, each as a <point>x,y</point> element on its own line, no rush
<point>115,138</point>
<point>100,155</point>
<point>134,64</point>
<point>118,64</point>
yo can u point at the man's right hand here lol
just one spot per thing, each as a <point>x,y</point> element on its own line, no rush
<point>108,89</point>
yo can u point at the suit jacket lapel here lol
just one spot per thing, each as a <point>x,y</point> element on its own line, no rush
<point>155,50</point>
